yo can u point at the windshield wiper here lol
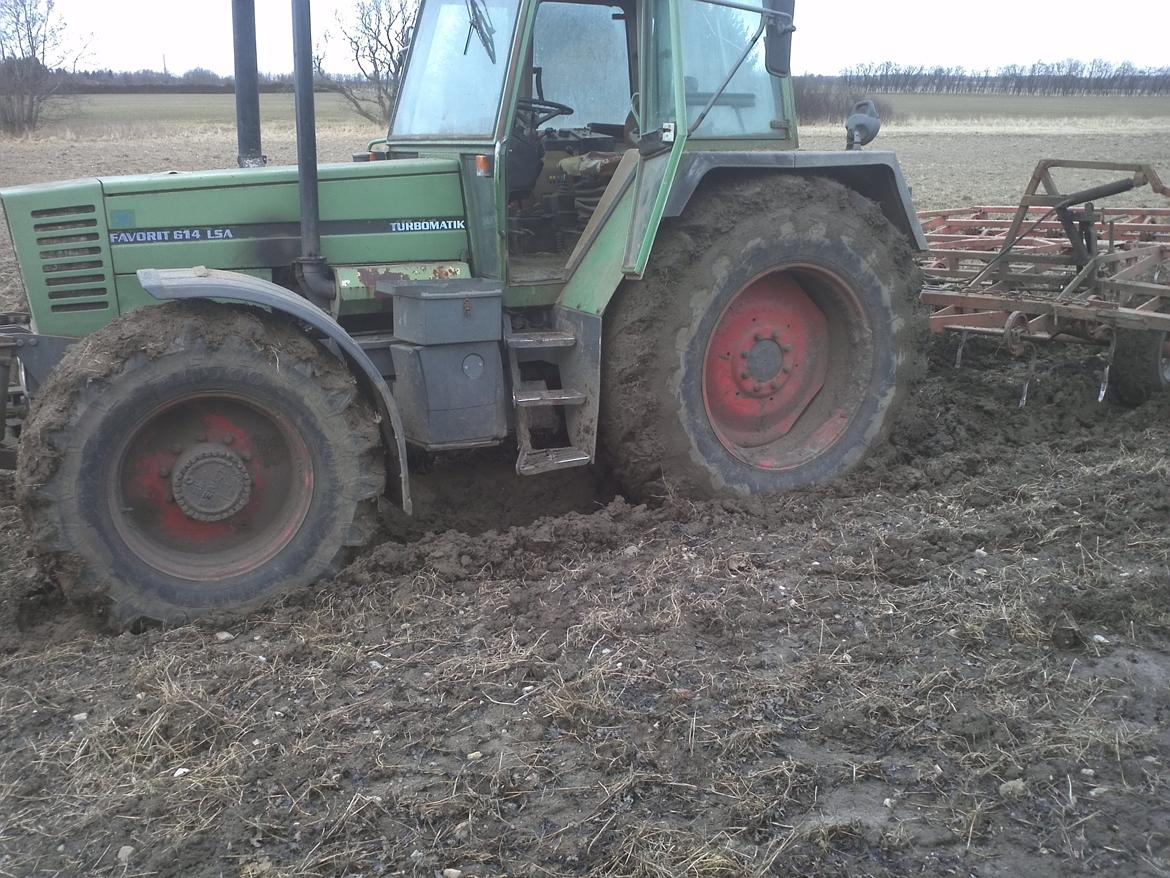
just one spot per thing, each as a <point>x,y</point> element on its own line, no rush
<point>480,22</point>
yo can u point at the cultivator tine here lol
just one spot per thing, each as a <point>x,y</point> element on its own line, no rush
<point>1029,376</point>
<point>1108,366</point>
<point>959,353</point>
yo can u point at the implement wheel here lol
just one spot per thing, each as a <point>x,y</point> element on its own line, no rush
<point>1141,366</point>
<point>768,347</point>
<point>193,458</point>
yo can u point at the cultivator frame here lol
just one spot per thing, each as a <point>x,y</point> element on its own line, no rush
<point>1054,267</point>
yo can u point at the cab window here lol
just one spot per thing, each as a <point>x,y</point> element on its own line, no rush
<point>713,39</point>
<point>580,55</point>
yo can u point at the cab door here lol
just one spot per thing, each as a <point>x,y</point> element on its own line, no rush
<point>617,241</point>
<point>662,110</point>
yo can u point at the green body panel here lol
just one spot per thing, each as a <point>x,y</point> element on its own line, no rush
<point>245,220</point>
<point>62,247</point>
<point>600,272</point>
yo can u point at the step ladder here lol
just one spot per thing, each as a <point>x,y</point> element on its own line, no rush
<point>554,343</point>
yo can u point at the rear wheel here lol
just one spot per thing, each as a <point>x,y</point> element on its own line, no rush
<point>1141,365</point>
<point>768,347</point>
<point>189,459</point>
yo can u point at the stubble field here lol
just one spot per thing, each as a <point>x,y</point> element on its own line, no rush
<point>954,662</point>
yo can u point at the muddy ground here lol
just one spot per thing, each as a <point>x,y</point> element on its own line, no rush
<point>954,662</point>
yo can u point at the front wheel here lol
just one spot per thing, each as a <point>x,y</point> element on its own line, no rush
<point>193,458</point>
<point>768,347</point>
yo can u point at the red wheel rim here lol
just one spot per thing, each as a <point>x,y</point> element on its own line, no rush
<point>780,374</point>
<point>210,486</point>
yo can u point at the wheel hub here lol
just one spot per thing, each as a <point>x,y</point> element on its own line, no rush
<point>767,358</point>
<point>211,483</point>
<point>763,370</point>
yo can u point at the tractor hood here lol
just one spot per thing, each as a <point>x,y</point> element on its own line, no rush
<point>80,243</point>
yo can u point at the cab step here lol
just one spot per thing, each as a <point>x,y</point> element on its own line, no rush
<point>534,401</point>
<point>532,398</point>
<point>535,461</point>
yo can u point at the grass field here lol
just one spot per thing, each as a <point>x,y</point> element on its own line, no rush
<point>1030,110</point>
<point>103,116</point>
<point>117,116</point>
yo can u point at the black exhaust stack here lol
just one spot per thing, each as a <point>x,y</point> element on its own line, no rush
<point>247,85</point>
<point>312,272</point>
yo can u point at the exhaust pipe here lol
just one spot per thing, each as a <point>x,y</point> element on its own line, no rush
<point>247,85</point>
<point>312,272</point>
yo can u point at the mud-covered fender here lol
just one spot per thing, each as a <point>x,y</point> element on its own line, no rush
<point>205,283</point>
<point>876,175</point>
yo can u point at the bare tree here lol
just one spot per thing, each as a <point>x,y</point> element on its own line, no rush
<point>31,47</point>
<point>376,36</point>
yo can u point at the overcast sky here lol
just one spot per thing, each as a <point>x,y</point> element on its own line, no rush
<point>832,34</point>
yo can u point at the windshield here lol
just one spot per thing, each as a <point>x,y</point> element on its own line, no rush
<point>457,65</point>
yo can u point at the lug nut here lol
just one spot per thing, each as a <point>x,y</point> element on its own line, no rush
<point>745,375</point>
<point>164,471</point>
<point>758,388</point>
<point>787,348</point>
<point>246,455</point>
<point>202,437</point>
<point>176,448</point>
<point>228,439</point>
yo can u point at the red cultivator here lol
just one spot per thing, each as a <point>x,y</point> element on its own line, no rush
<point>1057,267</point>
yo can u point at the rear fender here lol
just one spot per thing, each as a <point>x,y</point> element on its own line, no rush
<point>875,175</point>
<point>204,283</point>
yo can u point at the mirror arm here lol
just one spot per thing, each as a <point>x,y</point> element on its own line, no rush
<point>748,7</point>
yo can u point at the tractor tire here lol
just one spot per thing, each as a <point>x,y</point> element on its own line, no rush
<point>769,346</point>
<point>193,458</point>
<point>1141,366</point>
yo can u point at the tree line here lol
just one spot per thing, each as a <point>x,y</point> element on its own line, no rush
<point>199,80</point>
<point>1067,78</point>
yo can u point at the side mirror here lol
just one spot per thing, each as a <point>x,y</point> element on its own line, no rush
<point>863,125</point>
<point>778,37</point>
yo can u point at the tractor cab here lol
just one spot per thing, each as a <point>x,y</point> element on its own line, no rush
<point>571,103</point>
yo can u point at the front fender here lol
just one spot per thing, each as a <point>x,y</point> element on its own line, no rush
<point>205,283</point>
<point>876,175</point>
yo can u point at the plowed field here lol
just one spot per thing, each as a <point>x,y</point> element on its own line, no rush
<point>954,662</point>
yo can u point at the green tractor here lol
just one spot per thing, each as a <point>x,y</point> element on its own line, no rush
<point>589,232</point>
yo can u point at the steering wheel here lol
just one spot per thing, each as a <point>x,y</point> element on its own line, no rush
<point>542,111</point>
